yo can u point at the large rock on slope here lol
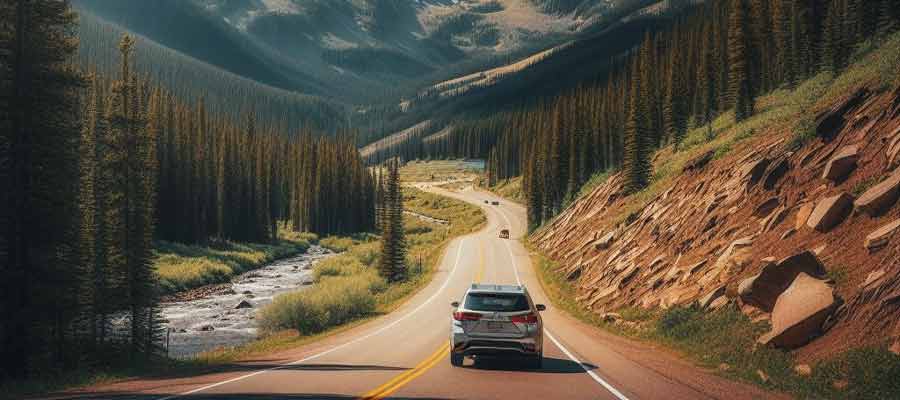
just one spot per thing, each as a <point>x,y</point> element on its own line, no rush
<point>881,197</point>
<point>800,311</point>
<point>830,212</point>
<point>803,215</point>
<point>842,164</point>
<point>762,290</point>
<point>882,235</point>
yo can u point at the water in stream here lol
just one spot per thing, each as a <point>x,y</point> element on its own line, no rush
<point>228,318</point>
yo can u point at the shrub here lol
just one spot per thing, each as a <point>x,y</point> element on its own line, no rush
<point>336,244</point>
<point>679,322</point>
<point>331,302</point>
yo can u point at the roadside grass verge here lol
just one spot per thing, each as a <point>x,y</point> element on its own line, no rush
<point>724,341</point>
<point>182,267</point>
<point>348,286</point>
<point>510,189</point>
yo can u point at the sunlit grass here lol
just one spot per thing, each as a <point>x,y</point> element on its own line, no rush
<point>348,286</point>
<point>181,267</point>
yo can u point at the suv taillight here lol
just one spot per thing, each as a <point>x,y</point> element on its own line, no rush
<point>525,319</point>
<point>466,316</point>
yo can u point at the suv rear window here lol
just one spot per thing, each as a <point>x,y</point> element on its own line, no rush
<point>496,302</point>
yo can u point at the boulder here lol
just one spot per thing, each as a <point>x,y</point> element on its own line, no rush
<point>830,122</point>
<point>893,151</point>
<point>718,303</point>
<point>775,173</point>
<point>243,304</point>
<point>800,312</point>
<point>606,241</point>
<point>880,197</point>
<point>803,215</point>
<point>610,317</point>
<point>775,219</point>
<point>830,212</point>
<point>762,290</point>
<point>766,207</point>
<point>763,376</point>
<point>752,172</point>
<point>712,296</point>
<point>872,277</point>
<point>788,233</point>
<point>881,236</point>
<point>841,164</point>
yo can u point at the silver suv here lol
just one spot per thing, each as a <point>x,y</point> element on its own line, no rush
<point>497,320</point>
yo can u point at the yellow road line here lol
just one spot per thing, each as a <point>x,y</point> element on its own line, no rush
<point>480,271</point>
<point>399,381</point>
<point>395,384</point>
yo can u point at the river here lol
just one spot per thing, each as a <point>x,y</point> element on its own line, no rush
<point>227,317</point>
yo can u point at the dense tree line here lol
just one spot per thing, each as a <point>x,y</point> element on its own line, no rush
<point>93,170</point>
<point>716,57</point>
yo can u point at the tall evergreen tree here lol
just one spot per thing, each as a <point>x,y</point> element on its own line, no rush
<point>392,264</point>
<point>39,137</point>
<point>739,80</point>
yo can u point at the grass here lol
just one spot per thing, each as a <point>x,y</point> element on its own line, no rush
<point>510,189</point>
<point>437,170</point>
<point>182,267</point>
<point>348,286</point>
<point>727,336</point>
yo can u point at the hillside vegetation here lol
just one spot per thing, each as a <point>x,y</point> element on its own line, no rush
<point>683,260</point>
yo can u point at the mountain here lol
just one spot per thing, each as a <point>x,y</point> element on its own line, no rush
<point>353,50</point>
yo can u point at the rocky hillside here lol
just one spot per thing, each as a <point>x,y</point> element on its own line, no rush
<point>798,228</point>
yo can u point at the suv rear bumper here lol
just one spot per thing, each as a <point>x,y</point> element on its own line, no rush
<point>469,346</point>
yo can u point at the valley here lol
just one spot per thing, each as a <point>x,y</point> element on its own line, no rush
<point>293,199</point>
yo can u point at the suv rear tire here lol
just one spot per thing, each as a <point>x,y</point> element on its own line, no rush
<point>456,360</point>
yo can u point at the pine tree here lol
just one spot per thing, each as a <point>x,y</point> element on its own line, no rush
<point>739,80</point>
<point>392,264</point>
<point>887,17</point>
<point>39,141</point>
<point>636,164</point>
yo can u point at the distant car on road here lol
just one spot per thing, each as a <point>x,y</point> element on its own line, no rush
<point>504,234</point>
<point>496,203</point>
<point>497,320</point>
<point>486,202</point>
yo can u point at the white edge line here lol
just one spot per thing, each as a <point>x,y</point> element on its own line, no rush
<point>354,341</point>
<point>592,374</point>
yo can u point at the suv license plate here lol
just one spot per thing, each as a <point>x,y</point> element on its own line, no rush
<point>495,326</point>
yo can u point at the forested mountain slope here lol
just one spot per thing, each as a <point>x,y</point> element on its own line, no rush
<point>190,78</point>
<point>358,51</point>
<point>470,100</point>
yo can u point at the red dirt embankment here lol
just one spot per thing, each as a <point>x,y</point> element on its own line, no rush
<point>724,219</point>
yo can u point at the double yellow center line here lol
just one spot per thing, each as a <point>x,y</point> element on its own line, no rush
<point>399,381</point>
<point>395,384</point>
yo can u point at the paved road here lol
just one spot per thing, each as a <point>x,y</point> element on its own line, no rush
<point>405,354</point>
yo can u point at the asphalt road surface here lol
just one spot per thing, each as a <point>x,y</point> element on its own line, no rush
<point>404,355</point>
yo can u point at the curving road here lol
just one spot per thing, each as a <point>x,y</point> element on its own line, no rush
<point>405,354</point>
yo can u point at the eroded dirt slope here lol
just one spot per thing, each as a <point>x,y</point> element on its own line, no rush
<point>722,220</point>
